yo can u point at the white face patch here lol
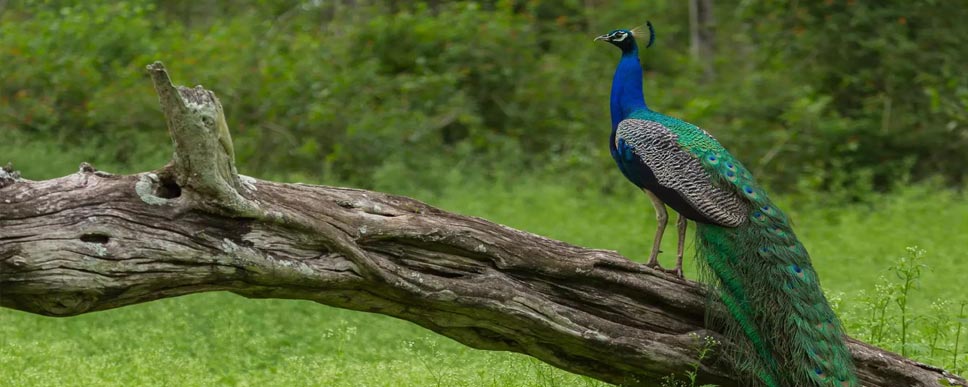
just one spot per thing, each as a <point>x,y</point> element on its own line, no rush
<point>620,37</point>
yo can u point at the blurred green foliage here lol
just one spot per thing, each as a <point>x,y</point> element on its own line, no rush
<point>842,96</point>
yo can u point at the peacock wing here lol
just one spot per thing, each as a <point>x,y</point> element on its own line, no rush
<point>657,149</point>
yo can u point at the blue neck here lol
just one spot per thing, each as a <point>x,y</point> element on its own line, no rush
<point>627,87</point>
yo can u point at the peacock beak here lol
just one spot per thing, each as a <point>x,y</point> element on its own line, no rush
<point>603,37</point>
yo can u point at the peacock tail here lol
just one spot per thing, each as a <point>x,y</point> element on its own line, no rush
<point>764,276</point>
<point>785,331</point>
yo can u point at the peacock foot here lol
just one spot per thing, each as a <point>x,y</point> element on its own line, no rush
<point>677,271</point>
<point>654,264</point>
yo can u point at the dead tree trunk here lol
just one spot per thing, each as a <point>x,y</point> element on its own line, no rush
<point>93,241</point>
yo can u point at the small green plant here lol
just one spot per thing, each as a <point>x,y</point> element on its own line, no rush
<point>890,316</point>
<point>881,325</point>
<point>938,323</point>
<point>705,345</point>
<point>342,334</point>
<point>961,321</point>
<point>876,304</point>
<point>428,352</point>
<point>908,270</point>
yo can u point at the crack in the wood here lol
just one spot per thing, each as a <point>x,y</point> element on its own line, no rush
<point>26,203</point>
<point>371,207</point>
<point>16,237</point>
<point>417,255</point>
<point>97,238</point>
<point>38,274</point>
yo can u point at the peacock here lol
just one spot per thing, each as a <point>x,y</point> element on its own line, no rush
<point>785,331</point>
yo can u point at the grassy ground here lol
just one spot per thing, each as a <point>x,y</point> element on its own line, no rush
<point>222,339</point>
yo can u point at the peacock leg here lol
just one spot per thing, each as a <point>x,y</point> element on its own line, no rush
<point>661,217</point>
<point>681,224</point>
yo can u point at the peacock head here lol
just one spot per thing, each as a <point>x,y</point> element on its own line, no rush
<point>625,39</point>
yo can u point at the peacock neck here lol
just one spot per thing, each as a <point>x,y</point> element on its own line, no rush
<point>627,95</point>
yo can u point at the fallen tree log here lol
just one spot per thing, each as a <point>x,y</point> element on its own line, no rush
<point>93,241</point>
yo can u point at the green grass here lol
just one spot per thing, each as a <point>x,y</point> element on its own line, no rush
<point>225,340</point>
<point>222,339</point>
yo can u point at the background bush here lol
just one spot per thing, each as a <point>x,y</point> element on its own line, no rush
<point>836,95</point>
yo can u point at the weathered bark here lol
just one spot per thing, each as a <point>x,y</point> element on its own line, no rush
<point>93,241</point>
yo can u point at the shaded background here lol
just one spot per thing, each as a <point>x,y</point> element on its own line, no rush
<point>855,113</point>
<point>826,95</point>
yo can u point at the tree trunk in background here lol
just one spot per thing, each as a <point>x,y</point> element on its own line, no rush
<point>93,241</point>
<point>702,36</point>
